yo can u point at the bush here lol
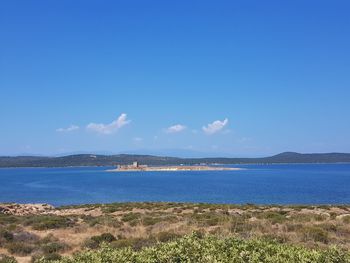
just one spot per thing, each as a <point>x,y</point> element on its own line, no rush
<point>48,239</point>
<point>166,236</point>
<point>95,241</point>
<point>91,244</point>
<point>20,249</point>
<point>102,220</point>
<point>208,219</point>
<point>49,222</point>
<point>130,217</point>
<point>52,257</point>
<point>134,243</point>
<point>192,249</point>
<point>150,221</point>
<point>105,237</point>
<point>8,219</point>
<point>46,257</point>
<point>24,236</point>
<point>122,243</point>
<point>316,234</point>
<point>6,235</point>
<point>274,217</point>
<point>7,259</point>
<point>53,247</point>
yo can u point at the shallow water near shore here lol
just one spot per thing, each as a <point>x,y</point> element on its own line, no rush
<point>259,184</point>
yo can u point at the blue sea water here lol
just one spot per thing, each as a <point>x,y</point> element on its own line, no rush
<point>259,184</point>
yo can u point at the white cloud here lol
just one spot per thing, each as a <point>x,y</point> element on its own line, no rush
<point>215,127</point>
<point>68,129</point>
<point>175,128</point>
<point>110,128</point>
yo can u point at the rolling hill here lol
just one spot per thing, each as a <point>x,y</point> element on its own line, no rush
<point>111,160</point>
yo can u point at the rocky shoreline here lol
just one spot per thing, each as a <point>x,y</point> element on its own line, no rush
<point>25,209</point>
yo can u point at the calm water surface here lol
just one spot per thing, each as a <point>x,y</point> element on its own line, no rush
<point>260,184</point>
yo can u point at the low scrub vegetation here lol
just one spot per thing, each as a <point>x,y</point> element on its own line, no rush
<point>44,222</point>
<point>209,250</point>
<point>136,229</point>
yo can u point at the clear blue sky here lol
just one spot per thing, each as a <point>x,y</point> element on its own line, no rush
<point>274,75</point>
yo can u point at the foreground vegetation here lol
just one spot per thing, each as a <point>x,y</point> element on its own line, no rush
<point>194,248</point>
<point>175,232</point>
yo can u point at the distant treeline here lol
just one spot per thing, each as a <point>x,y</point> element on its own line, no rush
<point>111,160</point>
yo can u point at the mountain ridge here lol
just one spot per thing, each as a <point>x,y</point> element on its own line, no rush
<point>112,160</point>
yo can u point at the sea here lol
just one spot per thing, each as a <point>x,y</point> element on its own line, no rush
<point>255,184</point>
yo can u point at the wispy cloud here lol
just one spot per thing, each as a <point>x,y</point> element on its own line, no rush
<point>110,128</point>
<point>215,126</point>
<point>175,128</point>
<point>68,129</point>
<point>137,140</point>
<point>244,140</point>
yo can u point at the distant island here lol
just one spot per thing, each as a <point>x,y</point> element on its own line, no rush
<point>124,159</point>
<point>136,167</point>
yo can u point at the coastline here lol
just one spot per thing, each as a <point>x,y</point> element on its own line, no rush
<point>175,169</point>
<point>245,164</point>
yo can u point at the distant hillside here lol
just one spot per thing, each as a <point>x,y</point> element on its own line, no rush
<point>111,160</point>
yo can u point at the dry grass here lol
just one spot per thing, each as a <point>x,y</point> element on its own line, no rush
<point>143,224</point>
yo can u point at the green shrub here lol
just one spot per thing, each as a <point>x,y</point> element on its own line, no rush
<point>192,249</point>
<point>316,234</point>
<point>122,243</point>
<point>131,217</point>
<point>6,235</point>
<point>52,257</point>
<point>134,243</point>
<point>8,219</point>
<point>105,237</point>
<point>274,217</point>
<point>7,259</point>
<point>166,236</point>
<point>53,247</point>
<point>20,249</point>
<point>106,220</point>
<point>150,221</point>
<point>91,244</point>
<point>208,219</point>
<point>275,238</point>
<point>49,222</point>
<point>46,257</point>
<point>95,241</point>
<point>48,239</point>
